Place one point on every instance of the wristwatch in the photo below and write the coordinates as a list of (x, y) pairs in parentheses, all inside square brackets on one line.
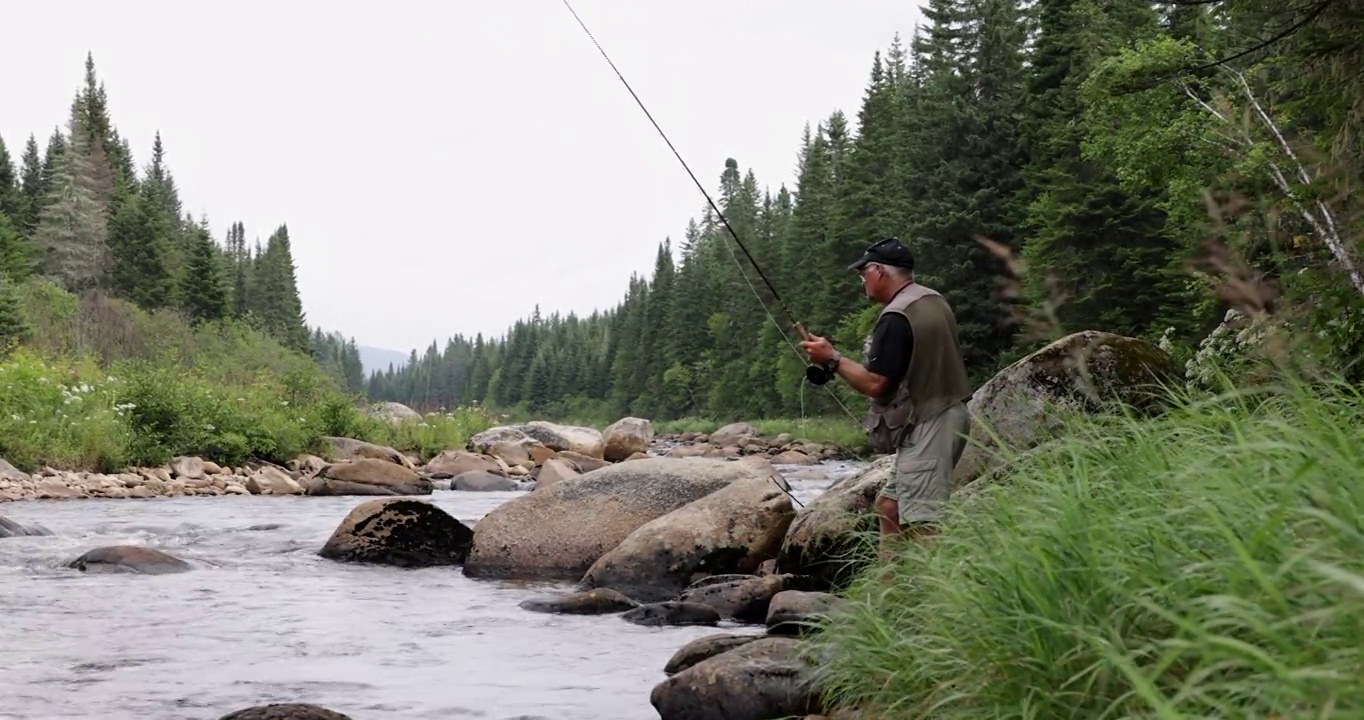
[(831, 364)]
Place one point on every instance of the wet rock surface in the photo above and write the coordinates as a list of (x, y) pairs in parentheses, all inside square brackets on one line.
[(129, 559), (601, 601), (733, 529), (560, 531), (672, 612), (399, 532), (760, 680), (705, 648), (285, 711)]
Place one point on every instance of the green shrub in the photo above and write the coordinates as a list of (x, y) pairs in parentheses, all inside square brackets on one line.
[(104, 385), (1208, 563)]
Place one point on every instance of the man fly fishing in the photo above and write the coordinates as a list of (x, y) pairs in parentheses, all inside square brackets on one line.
[(917, 383)]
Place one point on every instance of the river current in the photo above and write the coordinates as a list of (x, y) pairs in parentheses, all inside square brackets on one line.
[(261, 618)]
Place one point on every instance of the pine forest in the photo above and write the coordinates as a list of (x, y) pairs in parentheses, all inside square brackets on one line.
[(1056, 165)]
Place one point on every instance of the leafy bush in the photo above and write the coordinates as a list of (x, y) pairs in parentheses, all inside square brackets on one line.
[(105, 385)]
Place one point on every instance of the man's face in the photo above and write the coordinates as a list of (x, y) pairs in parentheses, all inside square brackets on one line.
[(871, 277)]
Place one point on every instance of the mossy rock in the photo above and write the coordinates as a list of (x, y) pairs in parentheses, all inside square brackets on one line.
[(1090, 372)]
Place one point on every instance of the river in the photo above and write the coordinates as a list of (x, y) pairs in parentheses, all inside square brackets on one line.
[(263, 619)]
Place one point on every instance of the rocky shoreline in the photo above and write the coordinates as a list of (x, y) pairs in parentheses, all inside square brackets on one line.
[(502, 458)]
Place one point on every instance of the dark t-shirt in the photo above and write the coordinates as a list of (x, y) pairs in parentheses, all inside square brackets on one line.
[(892, 345)]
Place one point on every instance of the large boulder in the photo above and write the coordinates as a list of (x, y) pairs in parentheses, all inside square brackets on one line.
[(1089, 371), (559, 531), (393, 412), (401, 532), (759, 680), (565, 438), (350, 449), (733, 434), (368, 477), (827, 541), (450, 463), (627, 436), (732, 530), (508, 444), (270, 480)]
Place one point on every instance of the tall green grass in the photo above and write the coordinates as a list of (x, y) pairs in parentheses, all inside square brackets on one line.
[(1207, 563)]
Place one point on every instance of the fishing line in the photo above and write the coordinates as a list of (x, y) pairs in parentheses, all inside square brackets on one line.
[(725, 221)]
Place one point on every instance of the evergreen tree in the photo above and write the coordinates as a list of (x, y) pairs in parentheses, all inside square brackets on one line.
[(202, 287), (275, 298), (70, 239), (31, 189), (15, 261), (13, 327), (10, 196)]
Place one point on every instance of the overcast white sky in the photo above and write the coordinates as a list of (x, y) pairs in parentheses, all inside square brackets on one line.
[(444, 166)]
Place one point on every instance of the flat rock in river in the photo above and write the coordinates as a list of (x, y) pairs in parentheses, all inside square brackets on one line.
[(559, 531), (368, 476)]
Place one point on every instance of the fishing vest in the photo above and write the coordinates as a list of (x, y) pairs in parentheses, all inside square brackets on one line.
[(936, 377)]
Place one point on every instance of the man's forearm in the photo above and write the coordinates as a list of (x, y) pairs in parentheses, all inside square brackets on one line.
[(861, 379)]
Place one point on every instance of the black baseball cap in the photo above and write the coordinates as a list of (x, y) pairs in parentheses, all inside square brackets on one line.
[(886, 252)]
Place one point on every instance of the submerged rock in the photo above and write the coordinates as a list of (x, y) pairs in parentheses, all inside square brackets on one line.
[(10, 528), (672, 612), (130, 559), (601, 601), (401, 532), (285, 711)]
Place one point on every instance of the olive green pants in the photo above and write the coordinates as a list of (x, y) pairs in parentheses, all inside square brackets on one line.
[(922, 479)]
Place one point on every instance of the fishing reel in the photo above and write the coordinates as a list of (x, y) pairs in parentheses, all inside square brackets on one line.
[(818, 375)]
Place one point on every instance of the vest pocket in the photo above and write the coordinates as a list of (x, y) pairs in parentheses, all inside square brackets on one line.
[(883, 437)]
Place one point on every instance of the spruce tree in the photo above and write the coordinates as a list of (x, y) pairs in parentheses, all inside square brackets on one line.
[(14, 329), (10, 196), (15, 256), (31, 189), (275, 300), (202, 288), (70, 239)]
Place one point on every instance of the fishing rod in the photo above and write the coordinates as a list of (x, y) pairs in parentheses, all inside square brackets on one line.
[(815, 374)]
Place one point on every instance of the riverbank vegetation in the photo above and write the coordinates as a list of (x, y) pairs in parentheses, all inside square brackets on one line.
[(1203, 564), (128, 335)]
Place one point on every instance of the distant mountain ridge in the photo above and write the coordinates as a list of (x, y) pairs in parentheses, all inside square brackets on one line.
[(375, 359)]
